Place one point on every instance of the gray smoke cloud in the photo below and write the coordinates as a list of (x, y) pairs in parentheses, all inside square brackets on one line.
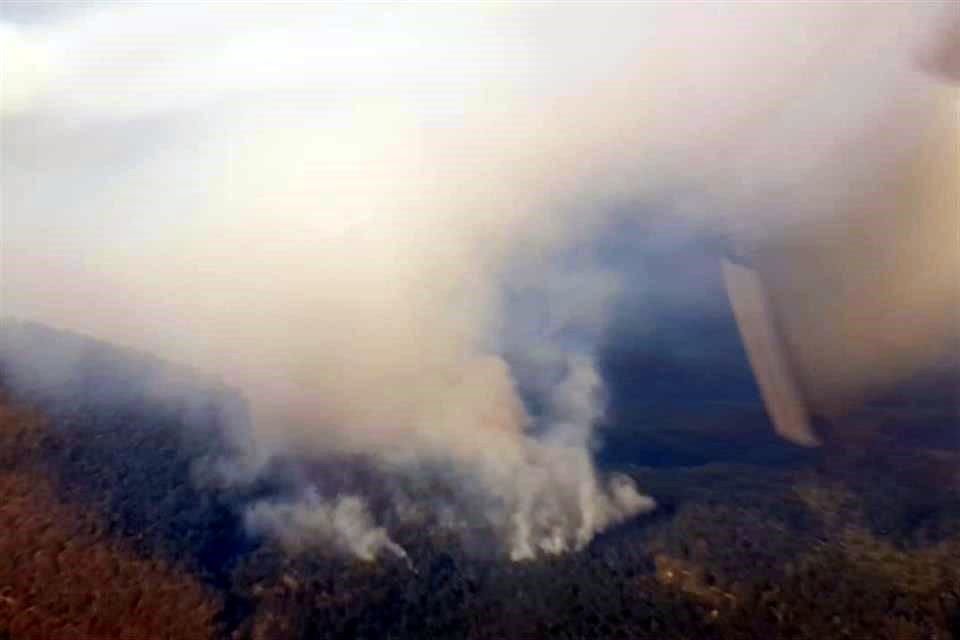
[(337, 207)]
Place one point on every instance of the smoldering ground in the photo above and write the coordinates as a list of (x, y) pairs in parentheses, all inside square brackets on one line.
[(369, 218)]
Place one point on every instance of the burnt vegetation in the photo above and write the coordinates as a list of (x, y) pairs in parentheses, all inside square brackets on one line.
[(106, 532)]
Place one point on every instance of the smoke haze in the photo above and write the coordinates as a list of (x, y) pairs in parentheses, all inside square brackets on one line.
[(370, 218)]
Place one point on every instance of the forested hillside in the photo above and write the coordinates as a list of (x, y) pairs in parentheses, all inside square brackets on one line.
[(107, 532), (65, 574)]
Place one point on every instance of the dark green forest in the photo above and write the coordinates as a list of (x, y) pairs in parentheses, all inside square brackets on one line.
[(105, 532)]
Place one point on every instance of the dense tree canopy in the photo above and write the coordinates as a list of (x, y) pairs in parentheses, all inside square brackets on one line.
[(105, 532)]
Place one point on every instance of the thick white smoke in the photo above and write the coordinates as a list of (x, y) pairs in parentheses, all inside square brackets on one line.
[(345, 524), (328, 204)]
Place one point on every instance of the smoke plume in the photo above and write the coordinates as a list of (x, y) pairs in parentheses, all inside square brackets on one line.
[(346, 524), (371, 219)]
